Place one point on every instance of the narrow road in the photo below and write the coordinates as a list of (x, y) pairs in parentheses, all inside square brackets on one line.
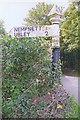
[(70, 83)]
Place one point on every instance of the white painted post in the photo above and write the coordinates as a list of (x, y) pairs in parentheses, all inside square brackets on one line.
[(55, 18)]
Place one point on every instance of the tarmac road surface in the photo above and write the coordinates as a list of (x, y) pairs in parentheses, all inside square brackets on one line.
[(70, 83)]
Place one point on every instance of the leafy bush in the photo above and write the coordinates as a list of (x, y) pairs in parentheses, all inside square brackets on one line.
[(75, 109), (26, 68)]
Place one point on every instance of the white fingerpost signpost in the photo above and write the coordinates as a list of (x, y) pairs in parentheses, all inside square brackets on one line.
[(55, 17), (45, 30)]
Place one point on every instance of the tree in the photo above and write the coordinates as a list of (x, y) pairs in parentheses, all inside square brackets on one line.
[(70, 39), (2, 30), (38, 15)]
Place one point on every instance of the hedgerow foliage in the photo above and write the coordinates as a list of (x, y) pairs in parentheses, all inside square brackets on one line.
[(70, 37), (27, 72)]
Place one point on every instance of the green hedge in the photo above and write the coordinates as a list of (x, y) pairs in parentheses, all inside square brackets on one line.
[(27, 72)]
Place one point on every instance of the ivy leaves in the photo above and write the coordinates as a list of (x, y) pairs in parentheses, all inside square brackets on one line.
[(24, 61)]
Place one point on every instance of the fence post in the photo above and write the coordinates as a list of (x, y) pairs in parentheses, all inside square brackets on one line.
[(55, 18)]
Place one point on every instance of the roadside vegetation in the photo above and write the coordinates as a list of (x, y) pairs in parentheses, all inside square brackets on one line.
[(29, 90)]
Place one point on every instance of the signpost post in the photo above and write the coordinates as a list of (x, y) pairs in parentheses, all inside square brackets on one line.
[(55, 18)]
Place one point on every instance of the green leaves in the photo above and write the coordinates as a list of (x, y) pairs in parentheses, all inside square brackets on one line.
[(24, 61), (69, 26), (38, 15), (70, 38), (2, 30)]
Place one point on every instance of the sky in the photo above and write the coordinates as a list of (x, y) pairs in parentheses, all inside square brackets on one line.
[(13, 12)]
